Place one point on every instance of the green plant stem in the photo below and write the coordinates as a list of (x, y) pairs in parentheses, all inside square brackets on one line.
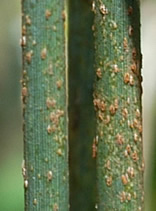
[(44, 93), (117, 101)]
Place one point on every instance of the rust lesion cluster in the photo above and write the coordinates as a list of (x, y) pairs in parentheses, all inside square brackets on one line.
[(132, 153), (54, 116), (128, 78), (100, 107), (125, 196), (114, 107), (103, 9), (50, 102)]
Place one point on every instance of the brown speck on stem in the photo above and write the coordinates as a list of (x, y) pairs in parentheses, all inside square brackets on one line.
[(115, 68), (128, 148), (46, 160), (93, 27), (143, 166), (34, 42), (125, 113), (107, 120), (114, 25), (39, 176), (138, 113), (93, 6), (99, 73), (135, 123), (140, 128), (131, 80), (136, 137), (48, 14), (54, 28), (55, 207), (139, 209), (125, 44), (134, 68), (23, 30), (103, 9), (59, 84), (59, 152), (94, 150), (134, 195), (35, 201), (109, 181), (23, 41), (24, 92), (135, 156), (102, 106), (108, 165), (126, 153), (128, 100), (28, 20), (129, 197), (134, 53), (50, 69), (130, 172), (43, 53), (100, 115), (112, 109), (25, 183), (49, 129), (116, 103), (23, 169), (130, 10), (50, 175), (119, 139), (124, 179), (63, 15), (29, 56), (94, 147), (130, 30)]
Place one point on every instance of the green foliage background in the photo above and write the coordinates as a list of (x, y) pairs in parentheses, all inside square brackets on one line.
[(11, 155)]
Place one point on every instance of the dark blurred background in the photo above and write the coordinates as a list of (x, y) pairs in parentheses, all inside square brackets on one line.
[(11, 146)]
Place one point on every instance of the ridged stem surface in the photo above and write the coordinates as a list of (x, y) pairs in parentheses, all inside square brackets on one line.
[(117, 101), (44, 94)]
